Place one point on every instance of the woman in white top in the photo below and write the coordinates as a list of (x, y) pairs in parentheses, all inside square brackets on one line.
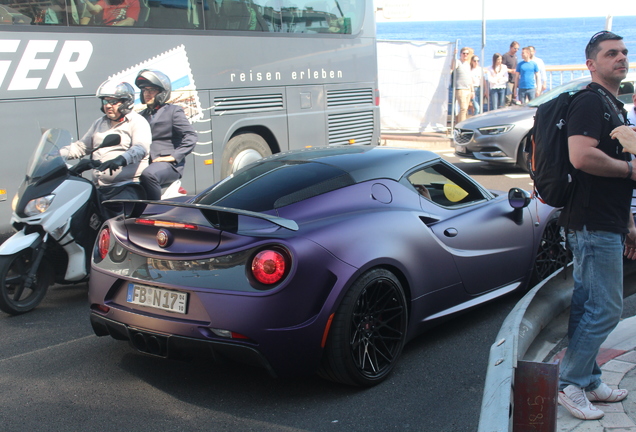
[(497, 76), (476, 73)]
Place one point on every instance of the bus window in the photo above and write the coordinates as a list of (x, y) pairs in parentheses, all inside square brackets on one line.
[(234, 15), (286, 16), (48, 12), (175, 14)]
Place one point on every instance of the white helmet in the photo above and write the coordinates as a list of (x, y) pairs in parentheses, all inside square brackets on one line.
[(120, 90)]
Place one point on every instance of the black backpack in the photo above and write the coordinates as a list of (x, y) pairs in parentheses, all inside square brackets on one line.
[(547, 151)]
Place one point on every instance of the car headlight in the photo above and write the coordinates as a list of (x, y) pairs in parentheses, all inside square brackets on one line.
[(38, 205), (495, 130)]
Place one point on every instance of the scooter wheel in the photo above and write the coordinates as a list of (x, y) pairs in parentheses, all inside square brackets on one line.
[(15, 298)]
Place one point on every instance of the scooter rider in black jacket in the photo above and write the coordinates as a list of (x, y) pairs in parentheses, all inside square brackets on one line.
[(173, 137)]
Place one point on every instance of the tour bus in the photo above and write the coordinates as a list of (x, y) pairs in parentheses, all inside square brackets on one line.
[(255, 77)]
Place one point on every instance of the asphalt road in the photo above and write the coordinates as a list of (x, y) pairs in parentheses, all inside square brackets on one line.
[(55, 375)]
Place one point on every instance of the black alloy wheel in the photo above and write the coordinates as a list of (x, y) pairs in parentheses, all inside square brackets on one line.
[(552, 253), (15, 297), (368, 331)]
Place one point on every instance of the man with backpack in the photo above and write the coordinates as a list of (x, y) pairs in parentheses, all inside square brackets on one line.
[(600, 225)]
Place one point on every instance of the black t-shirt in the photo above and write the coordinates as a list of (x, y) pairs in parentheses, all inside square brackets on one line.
[(511, 63), (599, 203)]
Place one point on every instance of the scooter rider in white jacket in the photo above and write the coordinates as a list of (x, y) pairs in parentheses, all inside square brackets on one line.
[(121, 164)]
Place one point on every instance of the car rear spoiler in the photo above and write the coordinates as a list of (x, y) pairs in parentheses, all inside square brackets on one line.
[(224, 218)]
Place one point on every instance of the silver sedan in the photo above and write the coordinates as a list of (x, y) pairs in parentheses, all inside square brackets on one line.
[(497, 137)]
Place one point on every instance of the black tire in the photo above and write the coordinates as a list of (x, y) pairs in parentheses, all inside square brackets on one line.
[(522, 157), (15, 299), (368, 331), (241, 151), (552, 253)]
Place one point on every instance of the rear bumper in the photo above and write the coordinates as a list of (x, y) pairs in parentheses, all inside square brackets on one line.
[(178, 347)]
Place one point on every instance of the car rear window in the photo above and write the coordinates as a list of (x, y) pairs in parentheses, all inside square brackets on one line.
[(273, 184)]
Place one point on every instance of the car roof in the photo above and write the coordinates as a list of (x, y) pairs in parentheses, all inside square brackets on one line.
[(362, 162)]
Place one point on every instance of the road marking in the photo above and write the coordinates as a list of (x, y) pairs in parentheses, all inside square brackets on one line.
[(517, 176)]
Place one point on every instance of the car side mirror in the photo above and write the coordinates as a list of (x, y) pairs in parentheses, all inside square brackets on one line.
[(518, 198)]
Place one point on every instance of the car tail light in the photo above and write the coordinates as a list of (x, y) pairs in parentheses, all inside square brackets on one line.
[(102, 308), (103, 242), (269, 267), (166, 224), (228, 334)]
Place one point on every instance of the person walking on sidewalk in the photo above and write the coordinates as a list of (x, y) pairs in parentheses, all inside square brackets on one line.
[(600, 226)]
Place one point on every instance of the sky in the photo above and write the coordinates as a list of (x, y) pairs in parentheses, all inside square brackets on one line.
[(459, 10)]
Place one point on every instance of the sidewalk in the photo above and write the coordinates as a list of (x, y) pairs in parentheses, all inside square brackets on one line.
[(426, 141), (617, 359)]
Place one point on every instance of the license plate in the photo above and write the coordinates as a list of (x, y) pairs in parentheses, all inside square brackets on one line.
[(460, 149), (158, 298)]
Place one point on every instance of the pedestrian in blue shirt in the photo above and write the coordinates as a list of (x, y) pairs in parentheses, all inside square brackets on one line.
[(528, 78)]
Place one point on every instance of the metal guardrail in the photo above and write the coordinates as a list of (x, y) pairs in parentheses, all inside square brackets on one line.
[(522, 325), (557, 75)]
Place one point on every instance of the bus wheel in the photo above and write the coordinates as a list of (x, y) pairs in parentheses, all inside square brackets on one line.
[(241, 151)]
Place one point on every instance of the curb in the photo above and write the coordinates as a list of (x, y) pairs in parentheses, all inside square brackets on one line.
[(425, 142), (532, 314)]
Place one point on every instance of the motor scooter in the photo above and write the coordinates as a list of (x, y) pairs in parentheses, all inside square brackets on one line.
[(57, 215)]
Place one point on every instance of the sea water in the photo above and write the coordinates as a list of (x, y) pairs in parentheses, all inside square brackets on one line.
[(558, 41)]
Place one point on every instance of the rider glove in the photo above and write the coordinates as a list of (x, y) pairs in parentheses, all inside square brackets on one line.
[(113, 164)]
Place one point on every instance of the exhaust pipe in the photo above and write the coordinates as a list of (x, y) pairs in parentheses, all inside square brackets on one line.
[(152, 344)]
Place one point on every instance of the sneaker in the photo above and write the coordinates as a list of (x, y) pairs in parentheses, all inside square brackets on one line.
[(605, 394), (574, 400)]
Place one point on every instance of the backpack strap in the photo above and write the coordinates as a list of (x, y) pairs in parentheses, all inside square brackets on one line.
[(619, 115)]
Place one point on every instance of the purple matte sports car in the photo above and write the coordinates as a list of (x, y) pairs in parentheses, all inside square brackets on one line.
[(324, 260)]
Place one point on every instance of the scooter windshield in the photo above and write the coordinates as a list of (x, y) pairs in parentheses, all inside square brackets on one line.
[(46, 160)]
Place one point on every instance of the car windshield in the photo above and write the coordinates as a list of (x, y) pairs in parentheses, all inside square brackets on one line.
[(572, 86), (273, 184)]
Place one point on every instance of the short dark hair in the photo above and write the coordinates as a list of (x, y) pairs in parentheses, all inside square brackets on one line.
[(592, 48), (513, 43)]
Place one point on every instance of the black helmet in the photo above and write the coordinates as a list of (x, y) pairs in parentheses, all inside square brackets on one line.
[(154, 78), (122, 90)]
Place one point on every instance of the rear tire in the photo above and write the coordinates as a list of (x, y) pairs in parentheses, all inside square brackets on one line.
[(241, 151), (15, 299), (368, 331)]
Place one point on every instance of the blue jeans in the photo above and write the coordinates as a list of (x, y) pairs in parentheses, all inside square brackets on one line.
[(497, 98), (529, 93), (597, 304), (475, 101)]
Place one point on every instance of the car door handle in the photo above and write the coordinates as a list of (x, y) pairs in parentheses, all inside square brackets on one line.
[(450, 232)]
